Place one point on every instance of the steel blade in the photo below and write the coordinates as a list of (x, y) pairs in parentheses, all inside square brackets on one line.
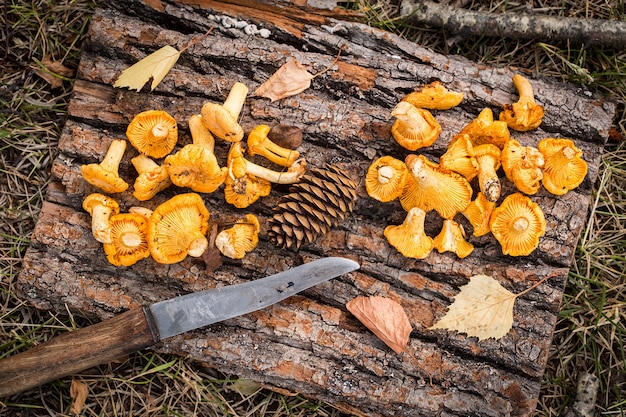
[(195, 310)]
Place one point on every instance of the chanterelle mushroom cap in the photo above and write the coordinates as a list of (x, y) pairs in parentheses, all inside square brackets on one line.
[(460, 158), (414, 128), (260, 144), (101, 209), (222, 119), (435, 96), (478, 212), (517, 224), (409, 238), (523, 166), (153, 132), (525, 114), (105, 175), (564, 168), (177, 228), (129, 239), (452, 239), (488, 158), (431, 188), (152, 178), (245, 190), (238, 166), (195, 167), (484, 129), (240, 239), (385, 178)]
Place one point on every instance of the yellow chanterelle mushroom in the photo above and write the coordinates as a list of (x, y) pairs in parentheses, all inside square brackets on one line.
[(105, 175), (239, 239), (101, 209), (385, 178), (525, 114), (129, 239), (153, 133), (414, 128), (564, 167), (517, 224), (222, 119), (409, 238)]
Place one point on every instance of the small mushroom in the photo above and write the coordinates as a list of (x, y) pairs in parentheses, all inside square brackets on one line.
[(259, 144), (222, 119), (178, 228), (243, 191), (525, 114), (478, 212), (105, 175), (385, 178), (435, 96), (452, 239), (484, 129), (564, 168), (488, 158), (523, 166), (152, 178), (129, 239), (239, 239), (409, 238), (195, 167), (101, 209), (239, 166), (460, 158), (517, 224), (414, 128), (200, 135), (431, 188), (153, 132)]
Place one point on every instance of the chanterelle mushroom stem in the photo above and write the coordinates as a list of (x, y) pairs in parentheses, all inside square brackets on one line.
[(200, 134), (488, 158), (236, 99), (239, 166), (114, 155)]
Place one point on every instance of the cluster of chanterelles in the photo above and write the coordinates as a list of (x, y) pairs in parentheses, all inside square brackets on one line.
[(178, 227), (477, 151)]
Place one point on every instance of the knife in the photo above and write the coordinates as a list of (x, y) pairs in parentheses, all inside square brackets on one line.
[(141, 327)]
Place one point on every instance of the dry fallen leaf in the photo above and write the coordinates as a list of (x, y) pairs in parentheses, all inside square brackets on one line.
[(54, 72), (290, 79), (483, 308), (385, 318), (155, 66), (78, 392)]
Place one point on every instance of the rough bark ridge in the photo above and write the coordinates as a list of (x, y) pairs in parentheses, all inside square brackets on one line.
[(310, 343)]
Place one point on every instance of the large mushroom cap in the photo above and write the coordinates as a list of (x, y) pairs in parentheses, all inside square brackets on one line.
[(129, 239), (177, 228), (385, 178), (517, 224), (153, 132), (564, 167), (431, 188), (195, 167)]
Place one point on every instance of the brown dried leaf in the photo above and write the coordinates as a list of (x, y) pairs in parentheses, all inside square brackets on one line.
[(385, 318), (290, 79), (54, 72), (78, 392), (212, 257)]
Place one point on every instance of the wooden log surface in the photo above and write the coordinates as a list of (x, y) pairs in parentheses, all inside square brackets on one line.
[(310, 344)]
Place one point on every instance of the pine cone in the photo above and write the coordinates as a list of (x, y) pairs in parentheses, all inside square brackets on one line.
[(317, 202)]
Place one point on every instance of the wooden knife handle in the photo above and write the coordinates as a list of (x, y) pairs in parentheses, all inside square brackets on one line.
[(78, 350)]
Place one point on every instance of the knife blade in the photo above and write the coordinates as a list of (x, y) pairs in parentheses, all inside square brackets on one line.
[(142, 327)]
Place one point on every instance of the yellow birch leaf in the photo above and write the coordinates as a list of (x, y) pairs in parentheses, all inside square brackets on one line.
[(483, 308), (155, 66)]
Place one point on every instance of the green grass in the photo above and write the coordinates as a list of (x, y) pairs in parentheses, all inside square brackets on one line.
[(590, 333)]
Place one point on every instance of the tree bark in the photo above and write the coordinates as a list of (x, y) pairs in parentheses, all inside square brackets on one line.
[(463, 22), (310, 344)]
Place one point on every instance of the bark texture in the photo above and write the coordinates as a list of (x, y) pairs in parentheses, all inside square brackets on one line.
[(310, 343), (587, 32)]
